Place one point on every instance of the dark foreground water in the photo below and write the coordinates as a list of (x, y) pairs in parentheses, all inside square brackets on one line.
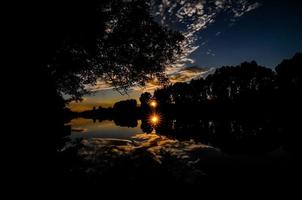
[(103, 152)]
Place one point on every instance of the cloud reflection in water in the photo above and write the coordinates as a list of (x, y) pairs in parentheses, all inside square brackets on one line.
[(182, 159)]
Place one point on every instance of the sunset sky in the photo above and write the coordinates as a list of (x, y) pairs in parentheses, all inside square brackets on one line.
[(218, 33)]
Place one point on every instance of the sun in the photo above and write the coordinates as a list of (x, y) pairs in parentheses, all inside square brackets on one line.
[(153, 103)]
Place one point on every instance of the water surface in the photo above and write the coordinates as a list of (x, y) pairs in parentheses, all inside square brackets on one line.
[(89, 128)]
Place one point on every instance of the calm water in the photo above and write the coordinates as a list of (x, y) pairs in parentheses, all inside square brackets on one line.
[(88, 128), (104, 146), (248, 138)]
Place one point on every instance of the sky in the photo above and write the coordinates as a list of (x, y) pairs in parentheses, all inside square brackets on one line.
[(218, 33)]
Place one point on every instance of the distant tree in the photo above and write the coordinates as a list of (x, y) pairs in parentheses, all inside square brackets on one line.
[(128, 107), (289, 82), (229, 83), (289, 73), (163, 95), (290, 76), (181, 93), (248, 87), (199, 89), (144, 99)]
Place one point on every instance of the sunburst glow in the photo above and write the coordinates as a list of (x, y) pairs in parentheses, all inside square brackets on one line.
[(154, 119), (153, 104)]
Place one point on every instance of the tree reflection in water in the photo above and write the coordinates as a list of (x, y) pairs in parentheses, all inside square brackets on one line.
[(245, 136)]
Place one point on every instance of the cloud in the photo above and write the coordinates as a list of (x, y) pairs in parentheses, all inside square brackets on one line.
[(187, 74), (193, 16), (181, 74), (253, 6), (79, 130), (220, 3), (210, 53), (149, 87), (177, 73), (244, 8), (100, 85), (156, 147)]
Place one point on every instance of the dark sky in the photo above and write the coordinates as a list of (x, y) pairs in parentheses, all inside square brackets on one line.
[(268, 34)]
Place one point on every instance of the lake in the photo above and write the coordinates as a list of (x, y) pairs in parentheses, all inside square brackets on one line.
[(103, 146), (125, 153), (89, 128), (229, 136)]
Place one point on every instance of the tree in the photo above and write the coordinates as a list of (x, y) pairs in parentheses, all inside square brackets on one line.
[(144, 99), (125, 107), (289, 76), (243, 89), (130, 49), (163, 95), (181, 93)]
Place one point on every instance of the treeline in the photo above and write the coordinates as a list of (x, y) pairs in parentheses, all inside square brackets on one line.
[(247, 90), (125, 109), (247, 108)]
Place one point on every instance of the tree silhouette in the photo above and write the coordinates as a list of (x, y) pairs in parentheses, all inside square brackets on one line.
[(289, 76), (130, 49), (163, 95), (289, 99), (232, 90), (144, 99), (126, 106), (181, 93)]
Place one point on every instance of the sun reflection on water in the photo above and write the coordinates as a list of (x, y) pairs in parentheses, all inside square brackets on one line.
[(154, 119)]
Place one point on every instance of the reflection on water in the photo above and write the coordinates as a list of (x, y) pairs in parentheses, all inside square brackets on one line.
[(228, 135), (180, 151), (158, 147), (88, 128), (157, 157), (106, 146)]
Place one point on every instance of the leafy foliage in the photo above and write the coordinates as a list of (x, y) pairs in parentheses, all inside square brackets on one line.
[(130, 48)]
